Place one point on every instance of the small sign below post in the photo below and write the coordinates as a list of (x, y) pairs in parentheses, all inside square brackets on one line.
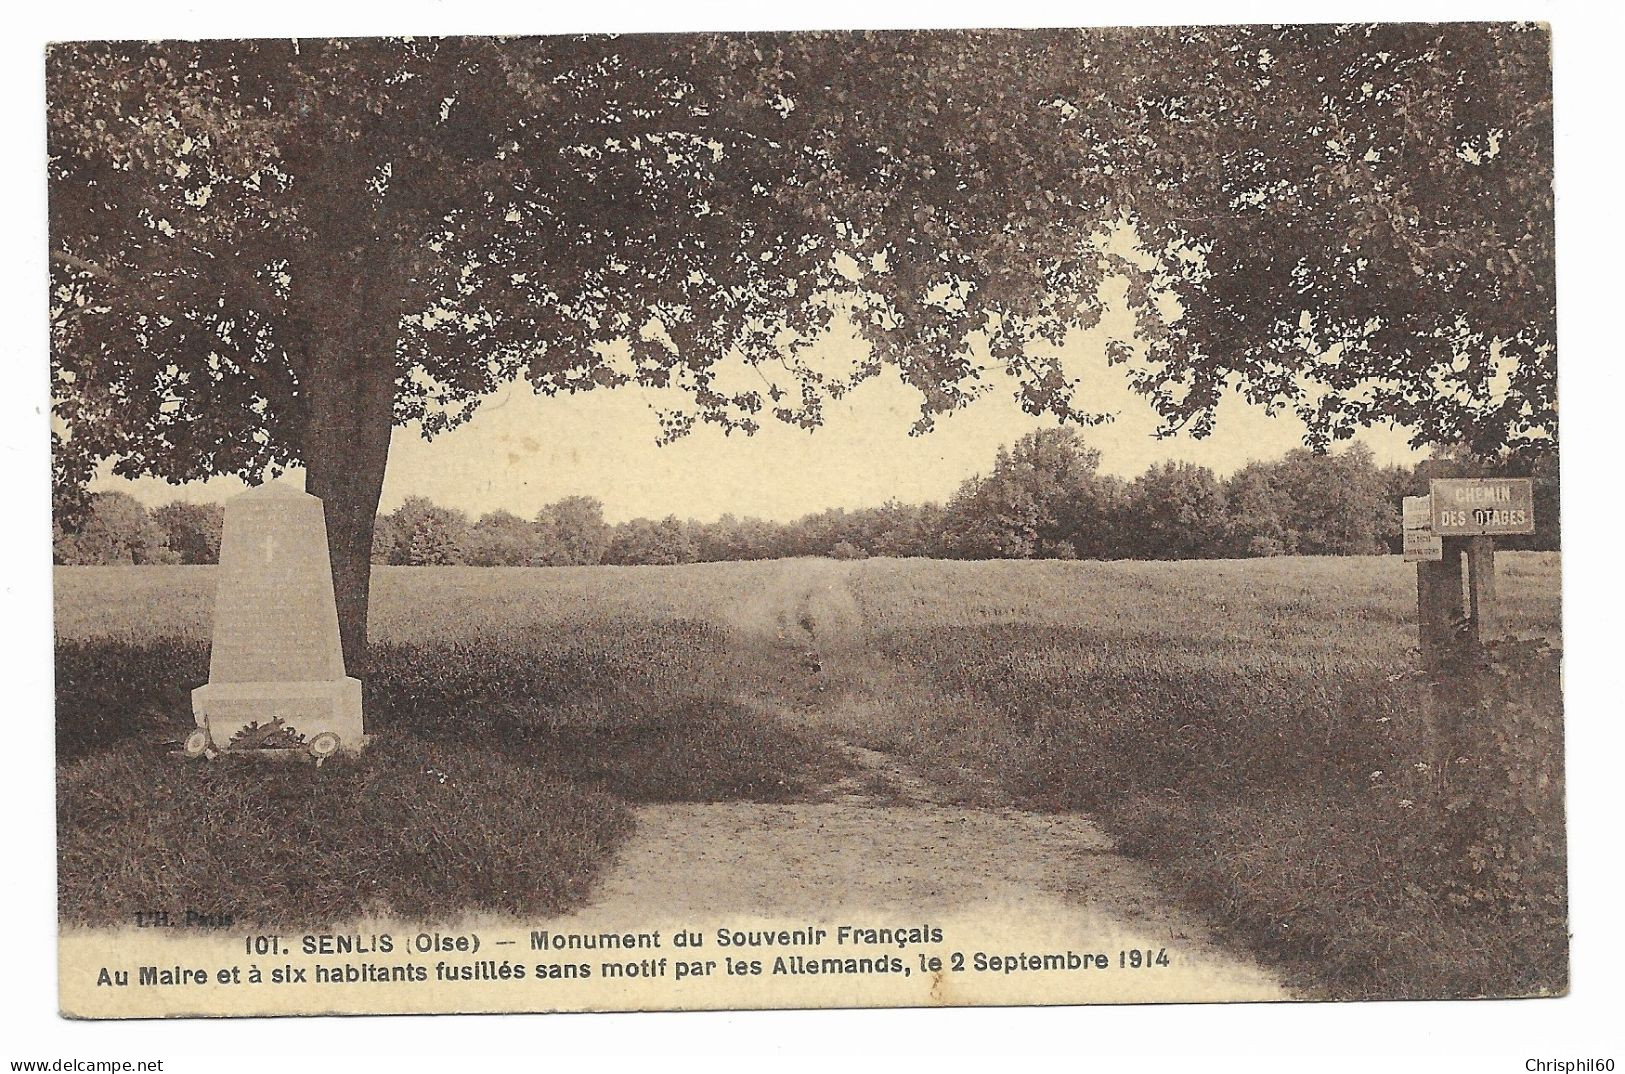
[(1422, 546)]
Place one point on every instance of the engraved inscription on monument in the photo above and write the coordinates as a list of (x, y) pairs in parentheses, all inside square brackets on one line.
[(276, 669)]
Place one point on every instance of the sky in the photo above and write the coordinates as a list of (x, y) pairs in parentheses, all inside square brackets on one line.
[(521, 450)]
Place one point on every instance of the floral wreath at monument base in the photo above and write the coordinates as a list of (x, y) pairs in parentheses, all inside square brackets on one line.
[(278, 737)]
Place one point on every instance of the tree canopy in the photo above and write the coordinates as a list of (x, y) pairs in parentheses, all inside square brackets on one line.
[(269, 253)]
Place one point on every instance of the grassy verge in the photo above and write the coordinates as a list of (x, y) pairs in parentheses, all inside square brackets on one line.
[(427, 831), (1354, 900), (1287, 788), (1305, 830)]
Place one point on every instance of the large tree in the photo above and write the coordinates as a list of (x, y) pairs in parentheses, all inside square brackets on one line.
[(1175, 510), (268, 254), (571, 531), (191, 530), (1043, 498)]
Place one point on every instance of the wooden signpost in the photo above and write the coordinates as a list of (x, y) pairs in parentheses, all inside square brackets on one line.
[(1460, 518)]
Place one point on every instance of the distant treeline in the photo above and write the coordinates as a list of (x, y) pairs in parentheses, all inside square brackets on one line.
[(1044, 498)]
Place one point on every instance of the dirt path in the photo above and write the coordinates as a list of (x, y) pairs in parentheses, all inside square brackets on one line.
[(884, 840)]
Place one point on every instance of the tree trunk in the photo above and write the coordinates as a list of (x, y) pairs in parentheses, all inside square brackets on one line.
[(348, 423)]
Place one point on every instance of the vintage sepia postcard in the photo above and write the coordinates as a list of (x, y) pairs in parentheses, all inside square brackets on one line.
[(805, 519)]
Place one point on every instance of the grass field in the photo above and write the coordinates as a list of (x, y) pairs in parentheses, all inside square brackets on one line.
[(1252, 728)]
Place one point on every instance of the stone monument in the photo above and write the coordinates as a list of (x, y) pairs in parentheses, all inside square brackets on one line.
[(276, 669)]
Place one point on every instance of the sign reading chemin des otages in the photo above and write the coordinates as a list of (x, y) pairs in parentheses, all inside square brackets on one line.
[(1483, 506)]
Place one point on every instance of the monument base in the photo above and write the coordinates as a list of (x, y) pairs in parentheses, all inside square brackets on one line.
[(321, 718)]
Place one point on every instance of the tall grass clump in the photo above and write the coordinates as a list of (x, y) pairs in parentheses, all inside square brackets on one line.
[(113, 692)]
